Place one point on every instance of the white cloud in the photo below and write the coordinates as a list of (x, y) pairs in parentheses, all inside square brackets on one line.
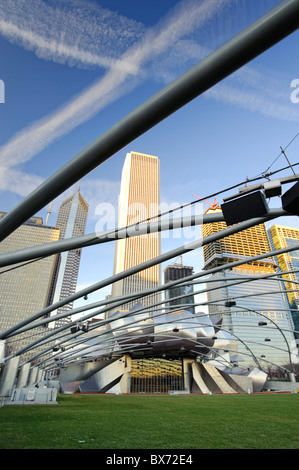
[(18, 181), (271, 99), (33, 139), (260, 90), (95, 191), (51, 31), (186, 16), (77, 33), (52, 50)]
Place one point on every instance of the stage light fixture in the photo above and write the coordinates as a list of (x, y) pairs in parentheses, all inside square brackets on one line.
[(230, 303), (245, 208), (272, 188), (290, 199), (75, 329)]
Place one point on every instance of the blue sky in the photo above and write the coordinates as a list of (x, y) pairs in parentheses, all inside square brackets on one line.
[(72, 69)]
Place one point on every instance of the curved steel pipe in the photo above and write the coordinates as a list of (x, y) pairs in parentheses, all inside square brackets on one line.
[(159, 259)]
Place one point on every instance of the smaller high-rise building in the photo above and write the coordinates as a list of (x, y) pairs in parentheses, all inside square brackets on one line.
[(287, 237), (250, 242), (26, 288), (249, 297), (175, 272)]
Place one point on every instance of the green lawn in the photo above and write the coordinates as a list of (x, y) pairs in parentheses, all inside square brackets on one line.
[(268, 421)]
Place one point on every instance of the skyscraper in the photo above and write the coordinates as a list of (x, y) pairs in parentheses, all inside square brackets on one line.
[(139, 200), (286, 237), (260, 318), (250, 242), (28, 288), (71, 221), (175, 272)]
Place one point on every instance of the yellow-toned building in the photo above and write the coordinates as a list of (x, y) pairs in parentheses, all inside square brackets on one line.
[(139, 200), (256, 291), (286, 237), (250, 242)]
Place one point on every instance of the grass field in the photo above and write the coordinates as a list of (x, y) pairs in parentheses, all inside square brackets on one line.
[(268, 421)]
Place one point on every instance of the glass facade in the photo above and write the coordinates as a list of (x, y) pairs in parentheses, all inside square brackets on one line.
[(288, 237), (257, 301), (156, 376), (173, 273), (260, 319)]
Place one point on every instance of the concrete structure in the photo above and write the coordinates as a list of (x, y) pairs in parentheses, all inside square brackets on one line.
[(41, 393), (23, 375), (8, 376)]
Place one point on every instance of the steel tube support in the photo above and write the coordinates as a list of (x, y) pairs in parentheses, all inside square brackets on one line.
[(103, 322), (271, 28), (66, 244), (147, 264), (186, 248)]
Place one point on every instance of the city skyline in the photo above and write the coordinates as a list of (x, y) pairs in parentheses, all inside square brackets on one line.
[(60, 94), (154, 111)]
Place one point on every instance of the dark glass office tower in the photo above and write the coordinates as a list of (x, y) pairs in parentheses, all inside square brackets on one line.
[(175, 272)]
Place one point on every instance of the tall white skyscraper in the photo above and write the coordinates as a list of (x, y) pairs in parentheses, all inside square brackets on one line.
[(71, 220), (139, 199)]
